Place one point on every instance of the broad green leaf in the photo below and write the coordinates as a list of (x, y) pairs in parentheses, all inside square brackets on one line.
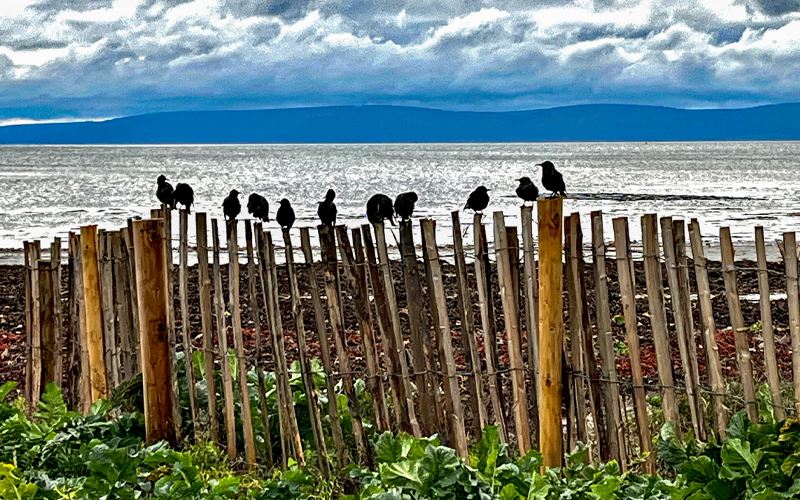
[(388, 448), (765, 409), (6, 388), (509, 492), (738, 460), (699, 469), (606, 489), (669, 448), (738, 425), (487, 450), (790, 463), (540, 487)]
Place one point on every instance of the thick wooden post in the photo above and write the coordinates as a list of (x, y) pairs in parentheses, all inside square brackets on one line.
[(471, 356), (325, 350), (605, 340), (333, 292), (714, 367), (658, 318), (186, 330), (737, 324), (206, 321), (111, 349), (628, 292), (420, 333), (445, 341), (47, 322), (691, 377), (770, 360), (255, 309), (222, 335), (152, 311), (394, 315), (790, 259), (551, 331), (510, 298), (94, 316), (305, 362), (361, 300), (238, 342)]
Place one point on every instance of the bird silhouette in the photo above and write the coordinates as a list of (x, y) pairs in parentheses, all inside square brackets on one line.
[(527, 190), (231, 206), (327, 209), (183, 194), (379, 208), (285, 215), (478, 200), (552, 180), (404, 205), (164, 192), (258, 206)]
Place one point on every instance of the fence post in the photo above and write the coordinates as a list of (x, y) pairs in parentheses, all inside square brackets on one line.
[(770, 360), (123, 306), (531, 291), (222, 336), (55, 259), (444, 339), (658, 318), (186, 330), (325, 350), (152, 311), (709, 329), (206, 322), (628, 292), (47, 322), (551, 330), (576, 376), (790, 257), (94, 317), (72, 343), (605, 340), (107, 303)]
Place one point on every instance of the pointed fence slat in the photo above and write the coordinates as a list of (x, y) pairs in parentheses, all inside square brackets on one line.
[(206, 322), (770, 359)]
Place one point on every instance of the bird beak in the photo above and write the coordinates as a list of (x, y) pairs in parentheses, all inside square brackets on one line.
[(538, 165), (488, 189)]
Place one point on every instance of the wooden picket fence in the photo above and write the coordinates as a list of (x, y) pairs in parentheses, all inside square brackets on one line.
[(116, 318)]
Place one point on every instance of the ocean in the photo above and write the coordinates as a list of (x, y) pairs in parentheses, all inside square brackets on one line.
[(48, 191)]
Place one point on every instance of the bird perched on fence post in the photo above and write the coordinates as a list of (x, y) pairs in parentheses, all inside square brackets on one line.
[(379, 208), (258, 206), (404, 205), (285, 215), (527, 190), (478, 200), (164, 192), (183, 194), (231, 206), (552, 180), (327, 209)]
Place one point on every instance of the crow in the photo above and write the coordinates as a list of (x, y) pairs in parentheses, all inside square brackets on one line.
[(404, 205), (183, 194), (478, 200), (327, 209), (258, 206), (379, 208), (285, 215), (164, 192), (527, 190), (231, 206), (552, 180)]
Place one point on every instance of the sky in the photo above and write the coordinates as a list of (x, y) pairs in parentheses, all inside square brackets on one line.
[(95, 59)]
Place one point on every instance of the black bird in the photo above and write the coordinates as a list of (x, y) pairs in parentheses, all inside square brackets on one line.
[(404, 205), (379, 207), (527, 190), (478, 200), (258, 206), (183, 194), (327, 209), (164, 193), (231, 206), (552, 180), (285, 215)]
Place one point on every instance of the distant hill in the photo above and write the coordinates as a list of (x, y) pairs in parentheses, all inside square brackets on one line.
[(371, 124)]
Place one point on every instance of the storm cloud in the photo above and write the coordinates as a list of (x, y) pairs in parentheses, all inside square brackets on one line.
[(103, 58)]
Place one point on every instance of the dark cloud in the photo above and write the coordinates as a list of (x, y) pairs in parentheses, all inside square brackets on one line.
[(287, 9), (77, 5), (776, 7)]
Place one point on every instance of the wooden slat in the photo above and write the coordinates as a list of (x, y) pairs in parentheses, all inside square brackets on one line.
[(94, 317), (531, 301), (166, 214), (123, 306), (58, 314), (790, 259), (222, 336), (577, 375), (333, 293), (770, 358), (615, 437), (743, 360), (82, 335), (325, 350), (186, 330), (72, 342), (658, 318), (127, 238), (628, 292), (445, 341), (206, 322), (471, 356), (47, 349), (714, 368), (678, 312), (110, 350), (488, 326)]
